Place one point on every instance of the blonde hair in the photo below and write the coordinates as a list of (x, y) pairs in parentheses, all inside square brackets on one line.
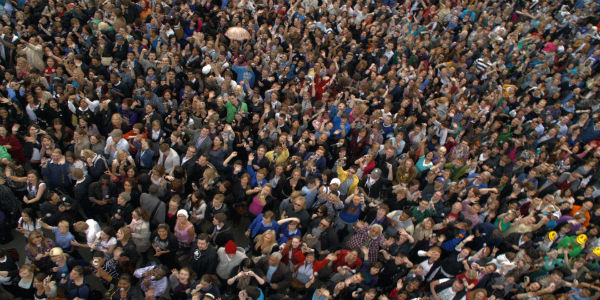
[(259, 240)]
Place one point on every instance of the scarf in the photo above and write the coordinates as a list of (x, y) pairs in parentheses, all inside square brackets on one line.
[(135, 224)]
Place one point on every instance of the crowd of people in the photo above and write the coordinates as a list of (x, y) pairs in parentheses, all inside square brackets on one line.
[(383, 149)]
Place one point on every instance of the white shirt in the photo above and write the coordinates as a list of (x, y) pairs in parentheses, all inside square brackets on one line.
[(92, 231)]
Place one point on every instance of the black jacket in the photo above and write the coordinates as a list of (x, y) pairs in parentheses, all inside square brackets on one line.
[(204, 262)]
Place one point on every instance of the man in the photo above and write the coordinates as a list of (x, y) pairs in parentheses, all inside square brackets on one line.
[(101, 195), (230, 257), (168, 158), (203, 142), (80, 190), (373, 185), (447, 289), (114, 143), (97, 165), (276, 275), (105, 269), (221, 232), (204, 256), (152, 204), (325, 237), (153, 281)]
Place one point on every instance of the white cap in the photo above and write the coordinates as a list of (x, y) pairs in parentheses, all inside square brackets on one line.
[(335, 181), (183, 212)]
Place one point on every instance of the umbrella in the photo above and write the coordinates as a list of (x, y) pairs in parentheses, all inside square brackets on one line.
[(237, 33)]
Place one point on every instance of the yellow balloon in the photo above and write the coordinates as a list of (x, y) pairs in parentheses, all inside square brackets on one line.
[(597, 251), (552, 235), (581, 239)]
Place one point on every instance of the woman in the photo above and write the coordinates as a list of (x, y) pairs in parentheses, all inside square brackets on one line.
[(157, 176), (180, 281), (12, 144), (62, 134), (219, 150), (289, 252), (165, 246), (184, 231), (45, 287), (425, 162), (119, 165), (172, 210), (197, 207), (292, 184), (34, 185), (140, 229), (424, 230), (208, 184), (365, 165), (406, 172), (264, 245), (130, 187), (32, 145), (260, 201), (105, 241), (97, 143), (24, 288), (27, 223), (37, 251), (75, 286), (129, 256), (74, 163)]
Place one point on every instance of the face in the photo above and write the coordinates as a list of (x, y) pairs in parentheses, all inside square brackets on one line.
[(202, 245), (162, 233)]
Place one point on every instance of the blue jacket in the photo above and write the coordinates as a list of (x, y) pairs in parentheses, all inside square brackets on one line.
[(57, 175), (257, 227), (144, 161)]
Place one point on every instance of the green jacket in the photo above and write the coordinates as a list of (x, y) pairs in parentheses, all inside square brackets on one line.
[(232, 110)]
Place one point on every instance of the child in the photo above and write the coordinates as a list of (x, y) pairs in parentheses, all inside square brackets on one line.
[(288, 230), (62, 236)]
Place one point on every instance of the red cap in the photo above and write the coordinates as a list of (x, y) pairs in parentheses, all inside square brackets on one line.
[(230, 247)]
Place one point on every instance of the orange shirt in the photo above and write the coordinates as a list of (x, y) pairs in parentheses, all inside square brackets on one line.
[(576, 209)]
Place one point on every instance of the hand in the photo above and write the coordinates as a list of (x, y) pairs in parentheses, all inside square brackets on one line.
[(274, 286)]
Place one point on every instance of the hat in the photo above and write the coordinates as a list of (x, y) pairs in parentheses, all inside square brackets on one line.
[(335, 181), (206, 69), (56, 251), (183, 212), (440, 179), (230, 247), (119, 37)]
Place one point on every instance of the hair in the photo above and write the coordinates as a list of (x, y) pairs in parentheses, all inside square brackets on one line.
[(126, 231), (142, 213), (269, 215), (220, 217), (80, 226), (259, 241), (204, 237)]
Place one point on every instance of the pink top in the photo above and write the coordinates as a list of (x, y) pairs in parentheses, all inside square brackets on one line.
[(183, 236), (255, 207)]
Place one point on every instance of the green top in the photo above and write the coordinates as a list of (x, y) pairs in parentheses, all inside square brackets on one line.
[(232, 109)]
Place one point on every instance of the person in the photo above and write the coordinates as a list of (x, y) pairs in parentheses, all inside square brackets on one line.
[(28, 223), (45, 287), (153, 280), (164, 245), (125, 291), (9, 271), (62, 236), (230, 257), (204, 257), (180, 281), (276, 275), (105, 268), (75, 286), (140, 229)]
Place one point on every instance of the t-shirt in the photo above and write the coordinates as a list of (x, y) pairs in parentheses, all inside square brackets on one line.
[(270, 272), (63, 240), (92, 231)]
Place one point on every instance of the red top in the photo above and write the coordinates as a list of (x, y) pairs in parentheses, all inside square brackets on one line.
[(341, 261)]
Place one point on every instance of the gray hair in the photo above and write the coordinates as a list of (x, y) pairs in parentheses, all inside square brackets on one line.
[(276, 255)]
